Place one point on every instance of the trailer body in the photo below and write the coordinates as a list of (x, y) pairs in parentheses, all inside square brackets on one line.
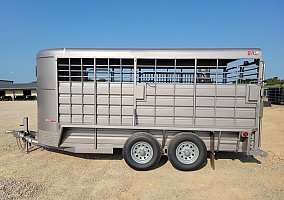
[(93, 100)]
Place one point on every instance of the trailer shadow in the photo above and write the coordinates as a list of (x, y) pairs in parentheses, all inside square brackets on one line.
[(164, 159), (34, 148), (117, 154), (236, 156)]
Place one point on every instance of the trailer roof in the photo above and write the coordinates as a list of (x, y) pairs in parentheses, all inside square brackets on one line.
[(180, 53)]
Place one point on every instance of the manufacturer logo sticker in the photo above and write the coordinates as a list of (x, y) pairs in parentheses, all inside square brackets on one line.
[(253, 53)]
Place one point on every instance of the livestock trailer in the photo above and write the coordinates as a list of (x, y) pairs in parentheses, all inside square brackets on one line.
[(181, 103)]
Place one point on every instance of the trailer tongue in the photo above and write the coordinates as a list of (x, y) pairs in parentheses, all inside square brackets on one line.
[(25, 138)]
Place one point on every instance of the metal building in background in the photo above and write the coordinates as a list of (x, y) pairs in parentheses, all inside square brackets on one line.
[(150, 102), (17, 91)]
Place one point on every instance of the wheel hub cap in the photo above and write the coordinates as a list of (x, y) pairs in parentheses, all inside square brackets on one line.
[(187, 152), (141, 152)]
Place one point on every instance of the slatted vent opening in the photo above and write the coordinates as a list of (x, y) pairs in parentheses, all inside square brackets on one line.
[(221, 71)]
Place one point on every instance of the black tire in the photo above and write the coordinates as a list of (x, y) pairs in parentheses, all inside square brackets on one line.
[(187, 152), (134, 157)]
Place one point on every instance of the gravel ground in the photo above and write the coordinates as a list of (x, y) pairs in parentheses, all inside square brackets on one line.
[(49, 174), (13, 189)]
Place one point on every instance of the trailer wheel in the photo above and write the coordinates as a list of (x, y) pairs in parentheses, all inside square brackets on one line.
[(187, 152), (142, 151)]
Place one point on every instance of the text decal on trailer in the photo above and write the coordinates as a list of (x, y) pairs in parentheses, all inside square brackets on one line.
[(253, 53), (51, 120)]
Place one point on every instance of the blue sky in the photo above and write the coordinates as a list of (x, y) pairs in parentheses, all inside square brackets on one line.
[(27, 27)]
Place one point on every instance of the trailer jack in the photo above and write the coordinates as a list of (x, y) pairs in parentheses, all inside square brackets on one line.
[(24, 138)]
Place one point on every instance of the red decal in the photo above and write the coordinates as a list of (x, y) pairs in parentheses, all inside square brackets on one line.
[(50, 120)]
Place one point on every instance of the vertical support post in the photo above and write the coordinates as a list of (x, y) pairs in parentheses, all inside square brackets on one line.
[(194, 93), (212, 151), (134, 91), (27, 147), (174, 103), (225, 75), (238, 142), (236, 88), (120, 91), (248, 143), (108, 101), (261, 78), (82, 91), (70, 90), (219, 141), (155, 81), (164, 139), (215, 94), (95, 92), (95, 138), (26, 130)]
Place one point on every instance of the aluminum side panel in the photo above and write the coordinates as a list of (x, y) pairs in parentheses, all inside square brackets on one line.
[(47, 110), (46, 73)]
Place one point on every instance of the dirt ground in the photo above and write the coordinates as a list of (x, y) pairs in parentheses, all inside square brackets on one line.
[(46, 174)]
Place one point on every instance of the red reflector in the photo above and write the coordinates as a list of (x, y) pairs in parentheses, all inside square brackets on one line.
[(50, 120), (245, 134)]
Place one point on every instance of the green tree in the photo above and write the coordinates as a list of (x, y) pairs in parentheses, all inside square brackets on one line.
[(273, 81)]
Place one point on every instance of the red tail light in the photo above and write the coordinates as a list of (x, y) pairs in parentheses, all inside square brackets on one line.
[(245, 134)]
